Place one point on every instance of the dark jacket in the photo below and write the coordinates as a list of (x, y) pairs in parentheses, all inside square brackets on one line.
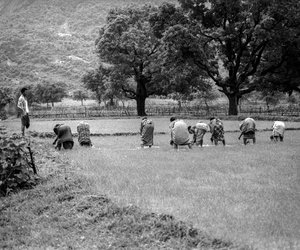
[(63, 133)]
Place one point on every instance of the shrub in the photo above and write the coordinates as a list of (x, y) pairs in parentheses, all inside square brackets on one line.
[(16, 165)]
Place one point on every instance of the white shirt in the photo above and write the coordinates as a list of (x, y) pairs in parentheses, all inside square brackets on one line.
[(279, 127), (23, 104)]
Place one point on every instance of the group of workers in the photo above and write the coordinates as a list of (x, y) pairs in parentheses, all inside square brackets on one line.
[(179, 131), (64, 137)]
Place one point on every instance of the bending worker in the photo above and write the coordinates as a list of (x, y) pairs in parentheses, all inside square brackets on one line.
[(64, 136), (198, 132), (179, 133), (247, 128), (278, 131), (146, 132)]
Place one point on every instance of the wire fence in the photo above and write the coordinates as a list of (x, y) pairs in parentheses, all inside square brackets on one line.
[(197, 111)]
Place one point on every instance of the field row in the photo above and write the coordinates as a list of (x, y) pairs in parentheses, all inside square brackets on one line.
[(111, 126)]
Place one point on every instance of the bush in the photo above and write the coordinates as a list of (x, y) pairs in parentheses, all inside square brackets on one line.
[(16, 166), (3, 115)]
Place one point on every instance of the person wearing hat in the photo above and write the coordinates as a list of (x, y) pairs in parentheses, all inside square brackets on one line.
[(146, 132), (23, 106), (64, 136)]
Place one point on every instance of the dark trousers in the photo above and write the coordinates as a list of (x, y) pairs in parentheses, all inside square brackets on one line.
[(66, 145)]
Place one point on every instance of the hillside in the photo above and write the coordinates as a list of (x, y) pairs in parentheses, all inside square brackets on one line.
[(51, 40)]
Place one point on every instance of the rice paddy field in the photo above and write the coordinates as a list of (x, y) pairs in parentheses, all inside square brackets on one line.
[(245, 194), (111, 126)]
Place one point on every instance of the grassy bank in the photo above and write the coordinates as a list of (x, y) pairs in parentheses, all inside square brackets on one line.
[(65, 212)]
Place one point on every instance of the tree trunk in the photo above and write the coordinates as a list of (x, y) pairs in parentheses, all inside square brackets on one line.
[(81, 102), (233, 104), (140, 104), (141, 95), (207, 107), (111, 101), (179, 105)]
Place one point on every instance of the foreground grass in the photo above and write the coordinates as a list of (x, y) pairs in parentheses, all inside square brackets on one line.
[(65, 212), (241, 194), (246, 195)]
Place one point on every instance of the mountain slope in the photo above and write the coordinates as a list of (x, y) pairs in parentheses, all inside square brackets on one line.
[(51, 40)]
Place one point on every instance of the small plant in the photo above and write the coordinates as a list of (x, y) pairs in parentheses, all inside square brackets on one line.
[(16, 165)]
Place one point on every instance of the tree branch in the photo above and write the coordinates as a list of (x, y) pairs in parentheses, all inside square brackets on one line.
[(247, 91), (129, 93)]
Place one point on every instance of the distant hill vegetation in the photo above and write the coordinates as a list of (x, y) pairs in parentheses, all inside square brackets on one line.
[(51, 40)]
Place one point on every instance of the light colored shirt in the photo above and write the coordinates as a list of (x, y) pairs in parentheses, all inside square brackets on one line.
[(279, 127), (247, 125), (202, 125), (23, 104), (180, 133)]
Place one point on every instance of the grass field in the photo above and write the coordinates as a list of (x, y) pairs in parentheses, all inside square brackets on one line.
[(245, 194)]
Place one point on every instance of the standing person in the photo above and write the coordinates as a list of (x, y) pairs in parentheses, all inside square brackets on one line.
[(23, 106), (247, 128), (179, 133), (217, 131), (278, 131), (64, 136), (198, 132), (146, 132), (83, 129)]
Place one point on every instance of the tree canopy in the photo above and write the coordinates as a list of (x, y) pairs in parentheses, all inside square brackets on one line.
[(80, 95), (239, 45), (95, 81), (128, 43), (50, 93)]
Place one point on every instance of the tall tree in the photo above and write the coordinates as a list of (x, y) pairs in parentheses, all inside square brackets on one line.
[(233, 42), (285, 78), (128, 43), (184, 81), (50, 93), (113, 87), (80, 95), (95, 81)]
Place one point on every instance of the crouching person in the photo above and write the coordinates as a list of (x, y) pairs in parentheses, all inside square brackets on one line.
[(83, 129), (247, 128), (198, 132), (64, 137), (278, 131), (146, 132), (179, 133)]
